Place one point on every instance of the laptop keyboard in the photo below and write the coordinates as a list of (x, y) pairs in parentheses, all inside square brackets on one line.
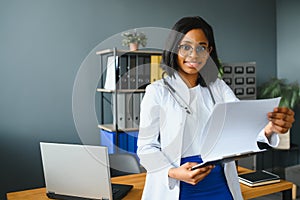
[(120, 190), (115, 190)]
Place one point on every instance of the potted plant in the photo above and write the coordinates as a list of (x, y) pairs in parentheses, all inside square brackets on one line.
[(134, 39), (290, 97)]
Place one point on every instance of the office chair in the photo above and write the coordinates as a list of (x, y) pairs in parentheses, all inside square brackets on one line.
[(292, 173), (123, 164)]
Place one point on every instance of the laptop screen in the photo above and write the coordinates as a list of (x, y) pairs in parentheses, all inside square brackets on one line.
[(76, 170)]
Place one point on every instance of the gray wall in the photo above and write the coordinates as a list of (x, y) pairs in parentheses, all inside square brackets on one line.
[(44, 42), (288, 53), (288, 40)]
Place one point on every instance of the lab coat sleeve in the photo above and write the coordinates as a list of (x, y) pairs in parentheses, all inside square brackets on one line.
[(149, 146), (273, 141)]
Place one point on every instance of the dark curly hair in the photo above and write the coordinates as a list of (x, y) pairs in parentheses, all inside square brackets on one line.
[(181, 27)]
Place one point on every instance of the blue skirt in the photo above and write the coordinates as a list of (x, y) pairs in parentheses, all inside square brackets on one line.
[(212, 187)]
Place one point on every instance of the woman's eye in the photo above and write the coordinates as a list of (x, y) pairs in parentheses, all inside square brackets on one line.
[(201, 48), (186, 47)]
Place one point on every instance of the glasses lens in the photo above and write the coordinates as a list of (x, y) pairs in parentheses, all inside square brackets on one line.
[(186, 50), (200, 49)]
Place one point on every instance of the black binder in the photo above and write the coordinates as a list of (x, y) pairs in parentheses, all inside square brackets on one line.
[(258, 178)]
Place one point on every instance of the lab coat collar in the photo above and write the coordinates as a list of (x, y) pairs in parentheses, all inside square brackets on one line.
[(180, 87)]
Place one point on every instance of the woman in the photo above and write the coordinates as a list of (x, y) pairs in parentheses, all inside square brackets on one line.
[(172, 123)]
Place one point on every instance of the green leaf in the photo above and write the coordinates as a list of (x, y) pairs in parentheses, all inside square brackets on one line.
[(290, 92)]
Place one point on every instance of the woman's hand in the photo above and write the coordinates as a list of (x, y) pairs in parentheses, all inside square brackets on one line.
[(184, 173), (281, 120)]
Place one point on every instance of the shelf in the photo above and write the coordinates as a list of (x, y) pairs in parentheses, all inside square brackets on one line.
[(112, 128), (121, 90), (121, 52), (124, 93)]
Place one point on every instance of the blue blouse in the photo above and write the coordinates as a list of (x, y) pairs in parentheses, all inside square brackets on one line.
[(212, 187)]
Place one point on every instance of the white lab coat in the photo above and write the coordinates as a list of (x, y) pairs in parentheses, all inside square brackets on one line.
[(162, 122)]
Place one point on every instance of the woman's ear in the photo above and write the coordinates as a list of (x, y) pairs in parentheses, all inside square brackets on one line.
[(210, 49)]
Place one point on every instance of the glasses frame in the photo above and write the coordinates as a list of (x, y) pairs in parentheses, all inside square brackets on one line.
[(202, 53)]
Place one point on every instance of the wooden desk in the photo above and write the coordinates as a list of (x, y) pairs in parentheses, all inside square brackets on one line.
[(252, 192), (138, 181)]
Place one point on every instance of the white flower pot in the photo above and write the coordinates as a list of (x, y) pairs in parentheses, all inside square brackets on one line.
[(133, 46)]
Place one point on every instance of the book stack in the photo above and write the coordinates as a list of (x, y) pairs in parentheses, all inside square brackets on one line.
[(130, 74), (258, 178), (132, 71)]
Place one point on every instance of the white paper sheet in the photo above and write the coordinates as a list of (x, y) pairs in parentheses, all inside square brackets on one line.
[(233, 127), (110, 81)]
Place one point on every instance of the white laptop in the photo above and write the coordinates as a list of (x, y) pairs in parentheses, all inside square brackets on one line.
[(78, 172)]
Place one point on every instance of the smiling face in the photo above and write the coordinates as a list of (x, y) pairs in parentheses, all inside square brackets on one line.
[(193, 53)]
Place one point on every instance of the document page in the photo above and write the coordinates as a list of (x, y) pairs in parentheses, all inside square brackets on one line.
[(233, 128), (110, 81)]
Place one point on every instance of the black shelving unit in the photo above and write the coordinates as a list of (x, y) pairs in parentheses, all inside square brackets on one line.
[(128, 81)]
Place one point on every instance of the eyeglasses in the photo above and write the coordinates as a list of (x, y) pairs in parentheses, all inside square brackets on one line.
[(186, 50)]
